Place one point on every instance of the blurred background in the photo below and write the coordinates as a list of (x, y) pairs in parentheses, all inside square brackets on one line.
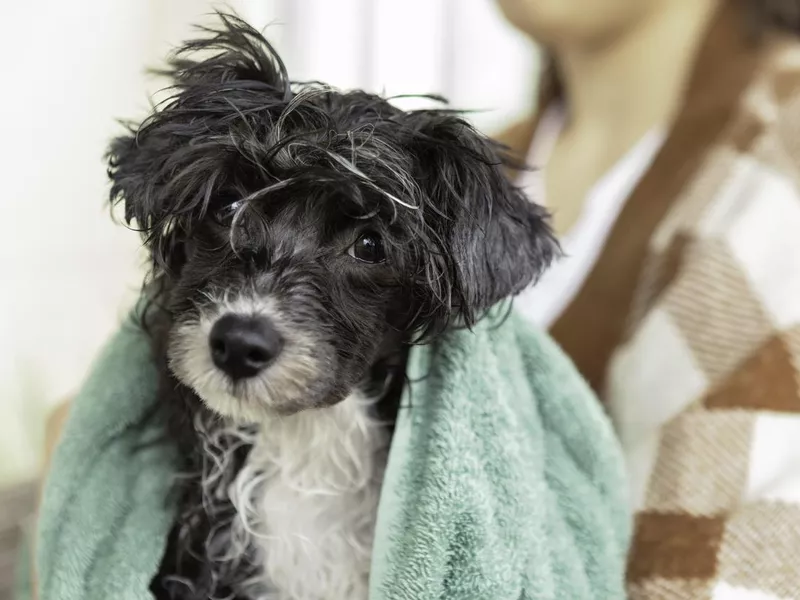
[(69, 272)]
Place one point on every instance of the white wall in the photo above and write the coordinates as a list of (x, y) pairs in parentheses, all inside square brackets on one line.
[(76, 65), (71, 67)]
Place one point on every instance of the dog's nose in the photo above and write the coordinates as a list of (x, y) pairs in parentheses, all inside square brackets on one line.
[(243, 346)]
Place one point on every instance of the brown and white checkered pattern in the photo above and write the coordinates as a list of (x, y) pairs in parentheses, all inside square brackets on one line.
[(705, 392)]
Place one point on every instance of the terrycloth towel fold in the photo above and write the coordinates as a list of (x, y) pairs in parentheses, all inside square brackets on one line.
[(504, 480)]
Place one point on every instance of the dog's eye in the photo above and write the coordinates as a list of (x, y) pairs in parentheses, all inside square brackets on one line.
[(368, 248), (224, 215)]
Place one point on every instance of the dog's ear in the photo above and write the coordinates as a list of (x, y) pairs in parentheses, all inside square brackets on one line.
[(493, 240), (167, 170)]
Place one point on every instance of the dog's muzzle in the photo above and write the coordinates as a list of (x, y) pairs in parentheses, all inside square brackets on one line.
[(243, 346)]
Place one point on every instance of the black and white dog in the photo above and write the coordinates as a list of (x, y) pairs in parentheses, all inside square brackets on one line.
[(302, 238)]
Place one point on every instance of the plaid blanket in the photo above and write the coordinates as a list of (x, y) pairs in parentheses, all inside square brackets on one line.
[(689, 325)]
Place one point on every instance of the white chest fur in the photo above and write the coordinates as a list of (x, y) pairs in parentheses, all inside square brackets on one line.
[(308, 497)]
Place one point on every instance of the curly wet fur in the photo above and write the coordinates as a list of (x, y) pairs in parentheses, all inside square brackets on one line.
[(250, 192), (300, 471)]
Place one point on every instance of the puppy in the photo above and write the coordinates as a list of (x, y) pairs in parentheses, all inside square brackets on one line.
[(302, 238)]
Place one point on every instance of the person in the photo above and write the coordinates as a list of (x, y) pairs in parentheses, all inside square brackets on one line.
[(666, 142)]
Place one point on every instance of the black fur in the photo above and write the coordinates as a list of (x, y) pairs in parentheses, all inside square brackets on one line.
[(242, 182)]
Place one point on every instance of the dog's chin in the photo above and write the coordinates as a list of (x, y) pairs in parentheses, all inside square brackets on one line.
[(257, 400), (247, 411), (236, 409)]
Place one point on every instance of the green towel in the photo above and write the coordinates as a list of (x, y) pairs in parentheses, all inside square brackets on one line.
[(504, 480)]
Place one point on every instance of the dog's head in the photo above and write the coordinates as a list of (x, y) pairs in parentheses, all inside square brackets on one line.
[(296, 230)]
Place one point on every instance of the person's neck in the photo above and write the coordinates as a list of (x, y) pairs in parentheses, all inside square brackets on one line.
[(633, 83)]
